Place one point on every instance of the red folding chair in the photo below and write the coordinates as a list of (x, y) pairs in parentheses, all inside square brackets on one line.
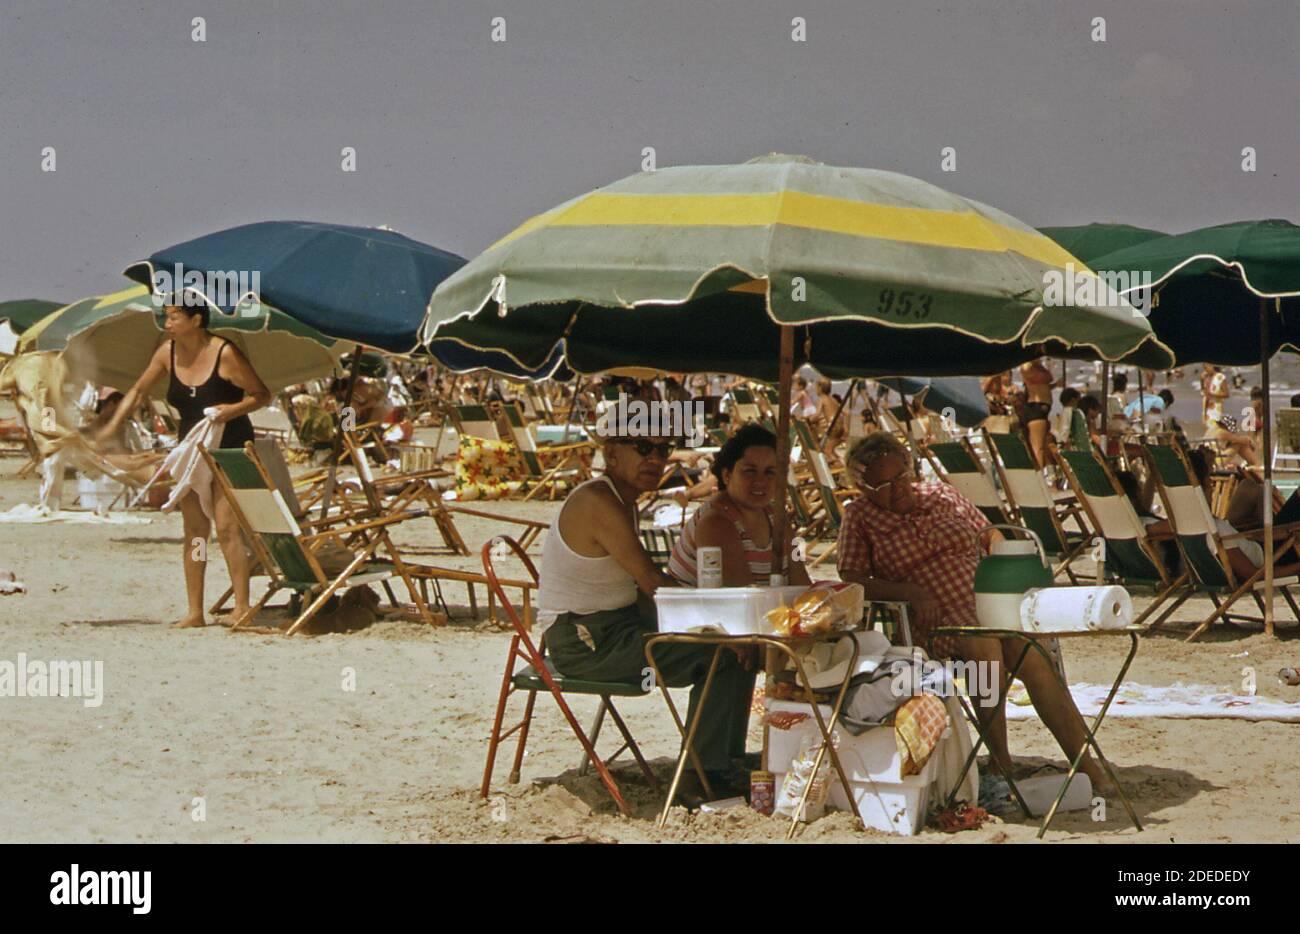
[(537, 674)]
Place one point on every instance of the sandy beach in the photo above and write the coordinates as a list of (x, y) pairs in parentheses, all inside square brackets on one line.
[(263, 730)]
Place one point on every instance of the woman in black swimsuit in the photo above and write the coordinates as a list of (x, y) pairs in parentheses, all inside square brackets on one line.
[(203, 373)]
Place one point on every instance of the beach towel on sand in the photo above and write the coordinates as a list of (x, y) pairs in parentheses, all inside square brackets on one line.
[(1175, 701)]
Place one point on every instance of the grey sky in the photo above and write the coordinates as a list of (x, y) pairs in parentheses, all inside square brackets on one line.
[(160, 139)]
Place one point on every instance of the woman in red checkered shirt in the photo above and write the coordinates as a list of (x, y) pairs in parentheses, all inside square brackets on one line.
[(921, 542)]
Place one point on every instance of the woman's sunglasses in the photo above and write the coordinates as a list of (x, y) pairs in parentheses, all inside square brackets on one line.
[(902, 479)]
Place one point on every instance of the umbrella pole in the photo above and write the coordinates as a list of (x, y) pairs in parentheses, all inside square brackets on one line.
[(781, 534), (338, 435), (1268, 465), (1105, 404)]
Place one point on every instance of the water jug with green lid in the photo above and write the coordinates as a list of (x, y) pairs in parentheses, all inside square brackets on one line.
[(1011, 568)]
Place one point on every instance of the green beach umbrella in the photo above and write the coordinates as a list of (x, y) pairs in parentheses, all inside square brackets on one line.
[(109, 340), (24, 312), (1207, 286), (1227, 294), (757, 268), (1088, 241), (696, 268), (17, 316)]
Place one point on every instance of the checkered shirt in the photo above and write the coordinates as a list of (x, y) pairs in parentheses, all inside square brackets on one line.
[(935, 546)]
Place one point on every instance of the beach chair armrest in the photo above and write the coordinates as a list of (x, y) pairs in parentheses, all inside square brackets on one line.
[(378, 522), (1290, 528), (482, 514)]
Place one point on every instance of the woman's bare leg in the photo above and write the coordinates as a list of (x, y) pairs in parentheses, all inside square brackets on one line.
[(1056, 709), (194, 554), (1038, 441), (993, 717), (232, 546)]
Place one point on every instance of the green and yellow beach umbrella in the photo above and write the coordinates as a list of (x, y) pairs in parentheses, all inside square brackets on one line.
[(697, 268), (109, 339), (757, 268)]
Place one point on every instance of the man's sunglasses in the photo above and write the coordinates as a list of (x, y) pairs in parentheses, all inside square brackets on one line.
[(644, 447)]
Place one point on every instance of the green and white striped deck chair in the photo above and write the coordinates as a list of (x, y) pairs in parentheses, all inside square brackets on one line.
[(743, 407), (540, 477), (659, 544), (824, 482), (830, 503), (1286, 445), (292, 558), (1204, 550), (1131, 555), (475, 421), (957, 464), (1032, 502)]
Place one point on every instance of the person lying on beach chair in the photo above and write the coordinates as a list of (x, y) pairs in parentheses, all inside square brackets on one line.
[(920, 542), (1245, 555), (593, 611)]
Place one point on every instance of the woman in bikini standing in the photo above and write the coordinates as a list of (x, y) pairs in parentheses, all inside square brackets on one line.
[(204, 372), (1038, 405)]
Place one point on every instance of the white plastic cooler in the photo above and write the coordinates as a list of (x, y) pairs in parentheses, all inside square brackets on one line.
[(739, 611)]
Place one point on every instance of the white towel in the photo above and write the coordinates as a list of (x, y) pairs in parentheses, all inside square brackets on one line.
[(187, 467), (952, 753)]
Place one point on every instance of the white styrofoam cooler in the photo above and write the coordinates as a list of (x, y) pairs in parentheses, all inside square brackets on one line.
[(871, 763), (97, 494), (736, 610)]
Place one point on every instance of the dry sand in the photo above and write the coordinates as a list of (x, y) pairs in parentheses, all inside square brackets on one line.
[(261, 729)]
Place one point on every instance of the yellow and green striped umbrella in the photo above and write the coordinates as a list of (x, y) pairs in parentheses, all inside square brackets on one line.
[(109, 340), (694, 268)]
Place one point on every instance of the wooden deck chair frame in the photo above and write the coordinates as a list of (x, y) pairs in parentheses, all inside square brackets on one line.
[(1286, 444), (1032, 502), (1129, 548), (1193, 524), (265, 518), (397, 494), (830, 502), (744, 408), (270, 457), (532, 528), (474, 421), (537, 676), (540, 476), (659, 544), (972, 480)]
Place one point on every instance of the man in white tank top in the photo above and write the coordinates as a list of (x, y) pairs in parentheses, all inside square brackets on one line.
[(594, 606)]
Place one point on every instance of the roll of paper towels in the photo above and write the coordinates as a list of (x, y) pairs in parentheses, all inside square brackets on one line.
[(1075, 609)]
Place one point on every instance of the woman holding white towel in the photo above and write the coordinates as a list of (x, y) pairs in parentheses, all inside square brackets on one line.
[(204, 372)]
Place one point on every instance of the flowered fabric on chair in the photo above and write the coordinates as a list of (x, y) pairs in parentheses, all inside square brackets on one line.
[(487, 469)]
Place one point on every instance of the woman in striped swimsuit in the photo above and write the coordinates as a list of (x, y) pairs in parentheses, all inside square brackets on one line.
[(738, 518)]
